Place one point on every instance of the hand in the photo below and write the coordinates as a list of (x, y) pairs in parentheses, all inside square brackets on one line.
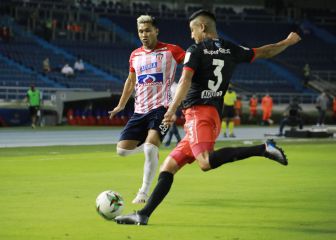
[(115, 111), (293, 38), (169, 118)]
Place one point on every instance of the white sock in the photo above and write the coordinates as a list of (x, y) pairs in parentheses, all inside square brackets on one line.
[(151, 163), (126, 152)]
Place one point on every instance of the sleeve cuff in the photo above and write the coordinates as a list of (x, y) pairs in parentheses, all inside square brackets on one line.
[(188, 69), (254, 54)]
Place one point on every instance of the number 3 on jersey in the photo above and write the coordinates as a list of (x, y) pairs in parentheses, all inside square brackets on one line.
[(214, 85)]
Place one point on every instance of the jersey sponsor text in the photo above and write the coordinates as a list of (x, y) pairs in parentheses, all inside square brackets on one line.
[(210, 94)]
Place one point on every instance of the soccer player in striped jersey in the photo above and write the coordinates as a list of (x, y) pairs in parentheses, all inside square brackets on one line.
[(151, 74), (208, 67)]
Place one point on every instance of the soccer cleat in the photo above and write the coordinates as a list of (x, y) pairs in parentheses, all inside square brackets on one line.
[(132, 219), (140, 198), (232, 135), (275, 153)]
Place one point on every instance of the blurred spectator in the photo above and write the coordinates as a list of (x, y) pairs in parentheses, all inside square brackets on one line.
[(306, 74), (173, 130), (46, 65), (34, 100), (228, 111), (321, 106), (74, 27), (67, 70), (5, 34), (267, 106), (253, 103), (238, 108), (79, 65), (47, 29), (70, 117), (292, 116), (334, 109)]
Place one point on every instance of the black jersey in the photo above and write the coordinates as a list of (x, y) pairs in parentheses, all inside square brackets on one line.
[(213, 62)]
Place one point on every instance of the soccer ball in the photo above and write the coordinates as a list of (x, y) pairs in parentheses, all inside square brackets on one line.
[(109, 204)]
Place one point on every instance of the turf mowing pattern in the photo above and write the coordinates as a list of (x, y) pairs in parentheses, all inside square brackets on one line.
[(50, 192)]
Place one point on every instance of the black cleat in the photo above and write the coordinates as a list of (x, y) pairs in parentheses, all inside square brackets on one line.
[(133, 218), (275, 153)]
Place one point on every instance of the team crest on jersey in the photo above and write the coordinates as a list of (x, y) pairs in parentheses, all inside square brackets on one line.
[(218, 44), (151, 79), (159, 56)]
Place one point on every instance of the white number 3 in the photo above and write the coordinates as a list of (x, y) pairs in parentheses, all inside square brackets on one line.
[(214, 85)]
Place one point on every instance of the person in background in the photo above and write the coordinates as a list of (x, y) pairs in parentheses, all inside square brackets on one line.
[(46, 65), (238, 107), (229, 111), (306, 74), (321, 106), (79, 65), (67, 71), (334, 109), (5, 34), (33, 98), (292, 116), (253, 103), (267, 106), (173, 130)]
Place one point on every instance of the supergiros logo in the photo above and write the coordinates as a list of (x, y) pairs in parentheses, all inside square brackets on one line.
[(151, 79)]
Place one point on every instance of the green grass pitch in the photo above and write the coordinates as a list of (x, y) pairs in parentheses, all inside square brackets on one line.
[(50, 192)]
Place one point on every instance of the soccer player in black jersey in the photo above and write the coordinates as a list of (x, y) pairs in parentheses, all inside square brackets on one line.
[(208, 67)]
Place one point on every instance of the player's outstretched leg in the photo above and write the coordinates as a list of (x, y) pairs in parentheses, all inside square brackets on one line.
[(159, 193), (272, 151), (133, 219)]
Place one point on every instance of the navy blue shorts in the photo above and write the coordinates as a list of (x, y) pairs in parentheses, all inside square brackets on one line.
[(139, 124), (228, 112)]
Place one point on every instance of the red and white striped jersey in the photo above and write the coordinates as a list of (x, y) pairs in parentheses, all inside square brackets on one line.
[(155, 73)]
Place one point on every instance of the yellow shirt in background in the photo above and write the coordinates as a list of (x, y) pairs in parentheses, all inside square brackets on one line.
[(230, 98)]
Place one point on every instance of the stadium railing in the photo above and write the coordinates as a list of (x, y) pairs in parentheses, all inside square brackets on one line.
[(19, 93)]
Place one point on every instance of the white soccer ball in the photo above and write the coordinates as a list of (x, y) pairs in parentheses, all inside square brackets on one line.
[(109, 204)]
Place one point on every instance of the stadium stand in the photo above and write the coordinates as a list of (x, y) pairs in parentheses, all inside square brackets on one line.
[(103, 34)]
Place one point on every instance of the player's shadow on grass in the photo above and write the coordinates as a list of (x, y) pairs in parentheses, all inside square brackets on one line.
[(262, 204), (295, 227)]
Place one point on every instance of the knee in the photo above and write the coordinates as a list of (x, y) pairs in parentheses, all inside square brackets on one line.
[(204, 165), (122, 152), (150, 148), (170, 165)]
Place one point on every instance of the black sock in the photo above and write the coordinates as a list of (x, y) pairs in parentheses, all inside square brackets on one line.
[(226, 155), (159, 193)]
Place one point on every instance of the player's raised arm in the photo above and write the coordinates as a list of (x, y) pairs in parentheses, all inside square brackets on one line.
[(181, 92), (126, 94), (271, 50)]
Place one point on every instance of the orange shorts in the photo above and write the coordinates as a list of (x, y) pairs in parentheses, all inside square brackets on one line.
[(202, 128), (266, 115), (253, 111)]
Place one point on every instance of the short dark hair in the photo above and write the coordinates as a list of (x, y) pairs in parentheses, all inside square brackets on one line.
[(202, 12)]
